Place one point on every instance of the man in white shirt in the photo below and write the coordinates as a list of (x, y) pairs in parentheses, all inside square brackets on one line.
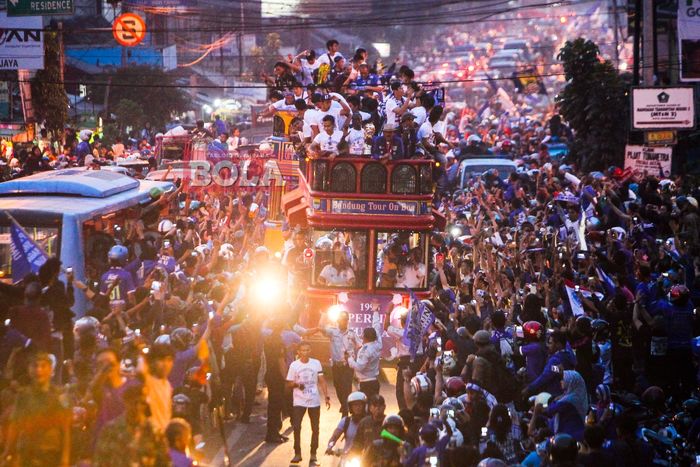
[(344, 341), (326, 143), (427, 102), (305, 377), (155, 375), (328, 104), (332, 47), (396, 104), (366, 365)]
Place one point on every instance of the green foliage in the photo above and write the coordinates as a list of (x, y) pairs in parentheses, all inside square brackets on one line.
[(265, 57), (595, 104), (110, 132), (48, 92), (137, 83), (129, 113)]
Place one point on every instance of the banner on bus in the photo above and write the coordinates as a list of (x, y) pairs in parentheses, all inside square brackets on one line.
[(651, 159), (360, 309)]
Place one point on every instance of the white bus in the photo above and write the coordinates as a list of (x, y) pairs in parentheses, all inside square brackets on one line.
[(72, 214)]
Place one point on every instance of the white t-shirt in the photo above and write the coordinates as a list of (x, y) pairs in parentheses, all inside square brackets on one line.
[(426, 131), (420, 114), (411, 276), (326, 59), (356, 141), (307, 70), (306, 374), (329, 142), (333, 277), (280, 106), (392, 103), (317, 117)]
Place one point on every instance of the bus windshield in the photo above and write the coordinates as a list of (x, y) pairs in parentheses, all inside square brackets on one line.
[(340, 258), (401, 260)]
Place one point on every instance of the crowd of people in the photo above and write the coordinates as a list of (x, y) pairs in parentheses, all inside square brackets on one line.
[(560, 319)]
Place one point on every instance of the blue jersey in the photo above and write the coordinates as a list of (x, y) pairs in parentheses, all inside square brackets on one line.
[(126, 284)]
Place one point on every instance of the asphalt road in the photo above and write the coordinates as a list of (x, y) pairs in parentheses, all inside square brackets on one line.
[(246, 442)]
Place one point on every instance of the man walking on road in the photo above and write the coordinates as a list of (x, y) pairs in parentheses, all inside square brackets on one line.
[(344, 342), (305, 376)]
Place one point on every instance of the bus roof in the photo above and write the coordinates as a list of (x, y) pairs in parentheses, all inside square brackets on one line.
[(81, 207), (70, 182)]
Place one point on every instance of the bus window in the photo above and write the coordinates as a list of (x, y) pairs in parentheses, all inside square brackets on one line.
[(343, 178), (45, 237), (402, 259), (426, 179), (319, 177), (340, 258), (403, 179), (373, 179)]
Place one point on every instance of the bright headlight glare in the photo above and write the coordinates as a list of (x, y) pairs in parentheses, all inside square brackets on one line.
[(334, 312), (267, 290), (455, 231), (353, 462)]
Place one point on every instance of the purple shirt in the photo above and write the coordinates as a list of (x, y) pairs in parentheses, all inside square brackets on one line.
[(179, 459), (183, 362), (535, 355), (126, 284)]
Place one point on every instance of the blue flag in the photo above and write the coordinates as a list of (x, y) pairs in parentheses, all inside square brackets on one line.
[(27, 256), (419, 320)]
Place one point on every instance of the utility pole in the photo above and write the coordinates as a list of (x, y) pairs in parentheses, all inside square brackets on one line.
[(616, 25), (240, 41), (637, 36), (648, 44)]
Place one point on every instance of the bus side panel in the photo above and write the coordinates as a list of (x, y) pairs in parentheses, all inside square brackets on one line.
[(73, 255)]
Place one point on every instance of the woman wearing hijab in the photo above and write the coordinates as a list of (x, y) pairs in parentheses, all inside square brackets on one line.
[(567, 413)]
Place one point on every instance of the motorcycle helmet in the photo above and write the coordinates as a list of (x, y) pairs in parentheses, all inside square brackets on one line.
[(679, 294), (532, 331), (601, 329), (118, 253), (429, 433), (181, 405), (226, 251), (181, 339), (593, 224), (449, 362), (357, 396), (165, 226), (455, 386), (163, 339), (491, 462), (563, 449), (692, 406), (421, 384), (392, 420), (452, 403), (202, 249)]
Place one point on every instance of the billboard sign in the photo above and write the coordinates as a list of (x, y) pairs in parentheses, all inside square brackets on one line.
[(21, 43)]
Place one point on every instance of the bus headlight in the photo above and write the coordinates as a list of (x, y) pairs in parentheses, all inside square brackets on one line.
[(267, 290), (334, 312)]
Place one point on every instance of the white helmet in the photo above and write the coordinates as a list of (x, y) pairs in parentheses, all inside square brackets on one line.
[(85, 134), (357, 396), (163, 339), (449, 362), (421, 384), (457, 438), (203, 249), (226, 251), (165, 226)]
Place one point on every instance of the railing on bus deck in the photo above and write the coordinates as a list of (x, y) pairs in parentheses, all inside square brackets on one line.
[(408, 177)]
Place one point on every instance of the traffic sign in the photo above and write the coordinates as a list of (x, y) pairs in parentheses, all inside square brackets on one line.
[(39, 7), (659, 108), (129, 29)]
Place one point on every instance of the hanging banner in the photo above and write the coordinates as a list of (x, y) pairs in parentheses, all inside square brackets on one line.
[(21, 43), (650, 159), (689, 39)]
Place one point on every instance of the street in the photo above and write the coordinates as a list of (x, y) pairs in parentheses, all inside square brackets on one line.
[(246, 441)]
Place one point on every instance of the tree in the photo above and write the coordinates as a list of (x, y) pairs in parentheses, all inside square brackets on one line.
[(265, 57), (128, 113), (150, 88), (48, 92), (595, 104)]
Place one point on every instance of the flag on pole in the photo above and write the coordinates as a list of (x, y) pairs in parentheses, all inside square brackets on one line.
[(419, 320), (27, 256), (574, 300)]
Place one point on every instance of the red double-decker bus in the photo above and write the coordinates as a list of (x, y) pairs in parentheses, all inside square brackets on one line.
[(369, 225)]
